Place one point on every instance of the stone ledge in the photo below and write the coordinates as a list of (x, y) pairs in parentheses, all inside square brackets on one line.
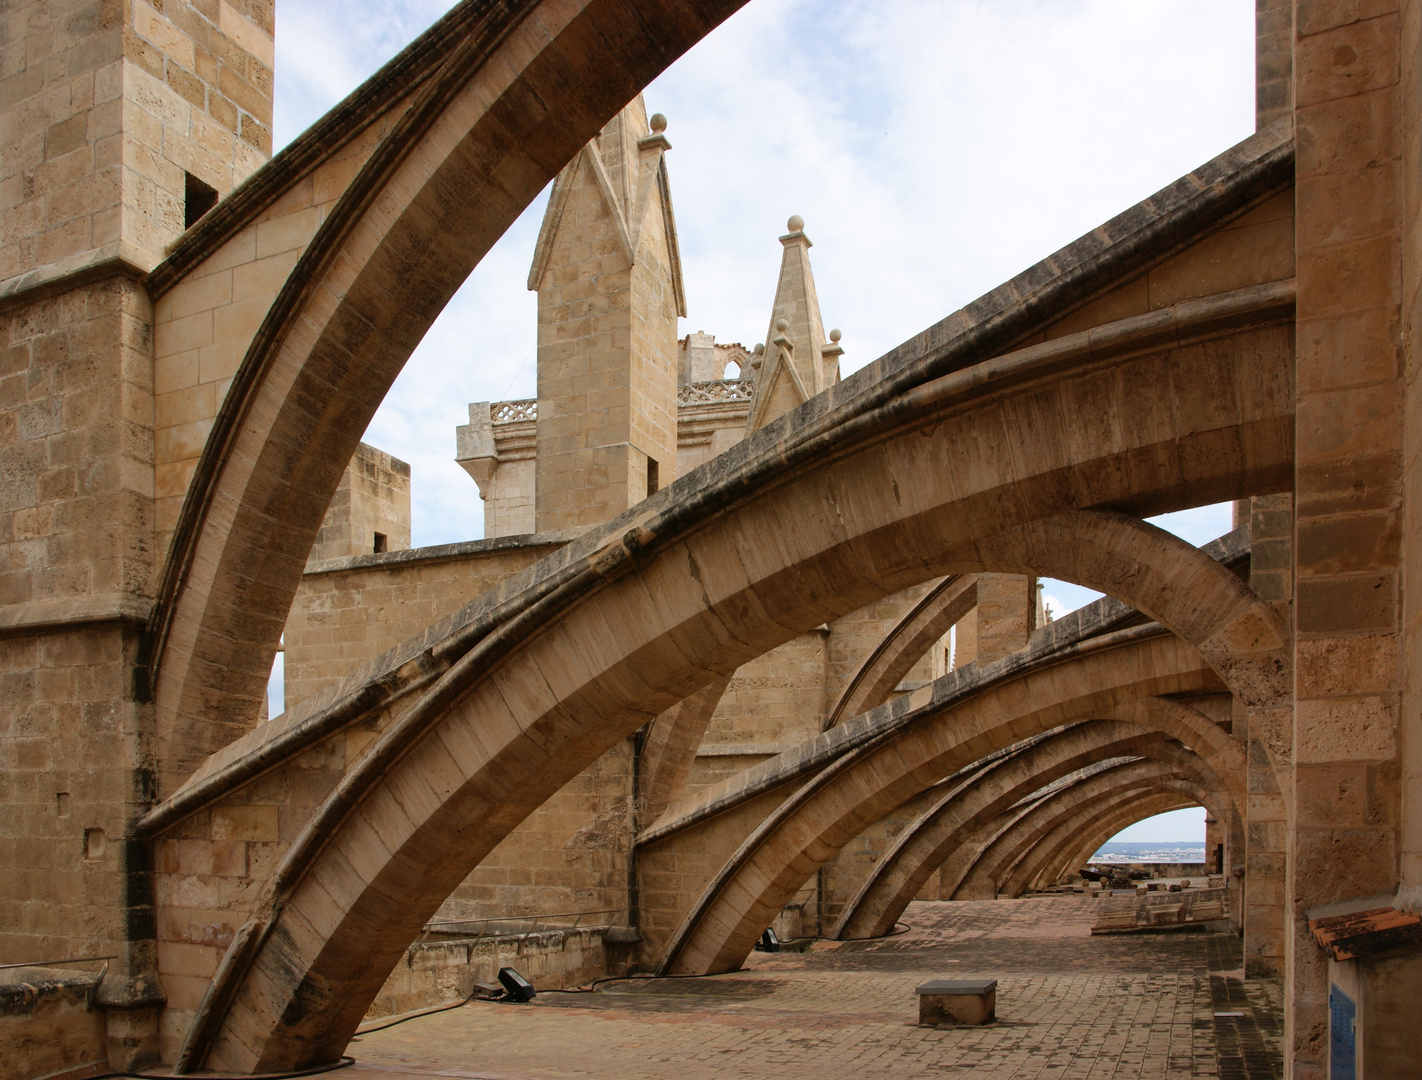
[(441, 552)]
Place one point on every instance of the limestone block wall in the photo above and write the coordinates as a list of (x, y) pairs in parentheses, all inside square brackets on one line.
[(370, 512), (108, 105), (570, 855), (76, 484), (439, 971), (854, 636), (77, 457), (199, 93), (653, 428), (673, 873), (700, 359), (71, 739), (203, 326), (1007, 614), (210, 870), (781, 699), (47, 1028), (710, 419), (1410, 863), (840, 878), (776, 700), (348, 611), (1349, 566)]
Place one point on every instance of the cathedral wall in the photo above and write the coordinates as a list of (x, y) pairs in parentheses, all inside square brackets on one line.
[(854, 636), (1411, 845), (1349, 488), (76, 547), (673, 873), (570, 855), (76, 455), (349, 611), (842, 877), (775, 701), (73, 763)]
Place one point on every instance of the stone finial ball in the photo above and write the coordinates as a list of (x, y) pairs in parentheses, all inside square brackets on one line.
[(658, 122), (835, 335), (781, 325), (796, 223), (759, 349)]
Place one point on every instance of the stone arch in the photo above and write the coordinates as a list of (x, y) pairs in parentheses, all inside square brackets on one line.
[(901, 647), (1099, 824), (864, 785), (991, 870), (1051, 846), (531, 82), (542, 676), (1075, 855), (1164, 577), (943, 828), (1100, 827), (409, 229)]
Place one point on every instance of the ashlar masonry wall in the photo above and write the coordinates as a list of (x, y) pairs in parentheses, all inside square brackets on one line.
[(370, 512), (108, 105)]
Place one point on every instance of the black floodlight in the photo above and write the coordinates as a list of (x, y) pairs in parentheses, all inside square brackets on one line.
[(769, 942), (516, 986)]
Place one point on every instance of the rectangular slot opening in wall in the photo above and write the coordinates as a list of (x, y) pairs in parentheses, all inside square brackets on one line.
[(198, 199), (381, 543), (653, 477)]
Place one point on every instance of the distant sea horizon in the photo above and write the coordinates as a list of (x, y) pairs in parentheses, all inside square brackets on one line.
[(1166, 851)]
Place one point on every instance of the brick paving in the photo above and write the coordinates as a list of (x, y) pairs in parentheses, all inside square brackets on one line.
[(1069, 1006)]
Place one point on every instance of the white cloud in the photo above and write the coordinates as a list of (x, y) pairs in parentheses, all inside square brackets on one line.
[(933, 148)]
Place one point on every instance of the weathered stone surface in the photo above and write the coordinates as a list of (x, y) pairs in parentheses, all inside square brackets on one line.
[(464, 723)]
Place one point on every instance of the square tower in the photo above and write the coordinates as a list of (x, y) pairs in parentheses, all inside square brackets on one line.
[(124, 121), (608, 275)]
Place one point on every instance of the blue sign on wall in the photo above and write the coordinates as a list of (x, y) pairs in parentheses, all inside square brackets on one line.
[(1342, 1036)]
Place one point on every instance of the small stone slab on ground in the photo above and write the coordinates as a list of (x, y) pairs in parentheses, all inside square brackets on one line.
[(950, 1002)]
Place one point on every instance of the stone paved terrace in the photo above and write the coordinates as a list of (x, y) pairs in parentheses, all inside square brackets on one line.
[(1069, 1006)]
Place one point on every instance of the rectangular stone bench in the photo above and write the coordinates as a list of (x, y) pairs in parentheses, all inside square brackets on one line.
[(950, 1002)]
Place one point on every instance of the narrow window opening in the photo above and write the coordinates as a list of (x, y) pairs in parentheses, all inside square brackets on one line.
[(653, 476), (733, 370), (62, 799), (198, 199), (93, 843), (381, 543)]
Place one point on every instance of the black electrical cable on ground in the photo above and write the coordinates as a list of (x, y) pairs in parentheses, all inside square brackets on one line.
[(589, 989), (428, 1012)]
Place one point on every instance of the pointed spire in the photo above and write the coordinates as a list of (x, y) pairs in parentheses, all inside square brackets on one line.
[(795, 366), (626, 161)]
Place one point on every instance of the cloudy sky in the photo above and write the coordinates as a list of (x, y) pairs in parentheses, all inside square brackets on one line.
[(934, 148)]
